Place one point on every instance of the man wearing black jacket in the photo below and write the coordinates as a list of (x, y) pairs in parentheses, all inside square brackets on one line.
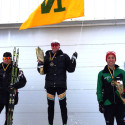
[(5, 80), (56, 64)]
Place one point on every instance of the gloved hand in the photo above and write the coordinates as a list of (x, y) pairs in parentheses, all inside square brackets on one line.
[(74, 56), (123, 95), (21, 74), (40, 67), (40, 64), (101, 107)]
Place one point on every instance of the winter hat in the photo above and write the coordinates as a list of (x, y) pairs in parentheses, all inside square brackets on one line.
[(7, 54), (110, 53), (55, 42)]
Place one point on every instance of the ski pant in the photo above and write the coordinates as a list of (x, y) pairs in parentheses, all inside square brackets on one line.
[(114, 111), (61, 92), (6, 110)]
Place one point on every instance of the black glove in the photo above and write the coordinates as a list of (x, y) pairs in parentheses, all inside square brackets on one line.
[(101, 107), (74, 56), (40, 64), (21, 74), (123, 95)]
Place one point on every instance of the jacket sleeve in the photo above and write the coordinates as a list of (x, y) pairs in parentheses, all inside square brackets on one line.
[(40, 67), (70, 64), (21, 81), (43, 65), (99, 88), (46, 63)]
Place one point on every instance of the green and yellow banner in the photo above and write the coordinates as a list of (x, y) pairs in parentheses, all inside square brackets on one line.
[(54, 11)]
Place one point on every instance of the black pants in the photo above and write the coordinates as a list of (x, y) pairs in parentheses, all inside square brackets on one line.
[(51, 92), (115, 111), (6, 110)]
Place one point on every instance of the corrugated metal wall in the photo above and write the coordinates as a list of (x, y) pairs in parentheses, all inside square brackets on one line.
[(17, 11), (91, 43)]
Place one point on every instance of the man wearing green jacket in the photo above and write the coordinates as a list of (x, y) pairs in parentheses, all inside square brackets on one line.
[(111, 91)]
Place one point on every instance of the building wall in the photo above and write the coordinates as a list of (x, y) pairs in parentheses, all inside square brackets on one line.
[(91, 43), (17, 11)]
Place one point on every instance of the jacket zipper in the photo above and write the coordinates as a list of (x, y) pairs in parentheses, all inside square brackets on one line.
[(114, 94)]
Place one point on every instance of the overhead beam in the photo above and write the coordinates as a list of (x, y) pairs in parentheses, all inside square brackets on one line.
[(71, 23)]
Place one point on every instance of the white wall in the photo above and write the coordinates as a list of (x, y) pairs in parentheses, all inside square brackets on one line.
[(91, 43), (17, 11)]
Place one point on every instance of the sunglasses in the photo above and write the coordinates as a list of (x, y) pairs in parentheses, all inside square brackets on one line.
[(55, 44), (6, 58)]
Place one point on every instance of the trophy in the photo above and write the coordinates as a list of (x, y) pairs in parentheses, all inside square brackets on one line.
[(120, 89), (40, 57)]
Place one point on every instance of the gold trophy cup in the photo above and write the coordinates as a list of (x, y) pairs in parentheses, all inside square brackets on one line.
[(120, 88), (40, 57)]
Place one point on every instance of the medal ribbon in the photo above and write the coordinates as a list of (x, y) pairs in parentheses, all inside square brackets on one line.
[(6, 67), (51, 58), (112, 75)]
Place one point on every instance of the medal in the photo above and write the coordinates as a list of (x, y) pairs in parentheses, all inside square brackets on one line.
[(51, 59), (51, 64), (4, 70)]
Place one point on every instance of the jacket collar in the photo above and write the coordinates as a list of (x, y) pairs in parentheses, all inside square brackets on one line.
[(106, 68)]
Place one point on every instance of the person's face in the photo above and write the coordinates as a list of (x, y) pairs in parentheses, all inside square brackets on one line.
[(111, 60), (6, 60), (55, 47)]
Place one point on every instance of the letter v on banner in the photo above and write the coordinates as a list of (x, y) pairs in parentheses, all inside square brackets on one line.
[(46, 8), (54, 11)]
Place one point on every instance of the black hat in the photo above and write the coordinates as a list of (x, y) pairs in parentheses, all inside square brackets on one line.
[(7, 54)]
